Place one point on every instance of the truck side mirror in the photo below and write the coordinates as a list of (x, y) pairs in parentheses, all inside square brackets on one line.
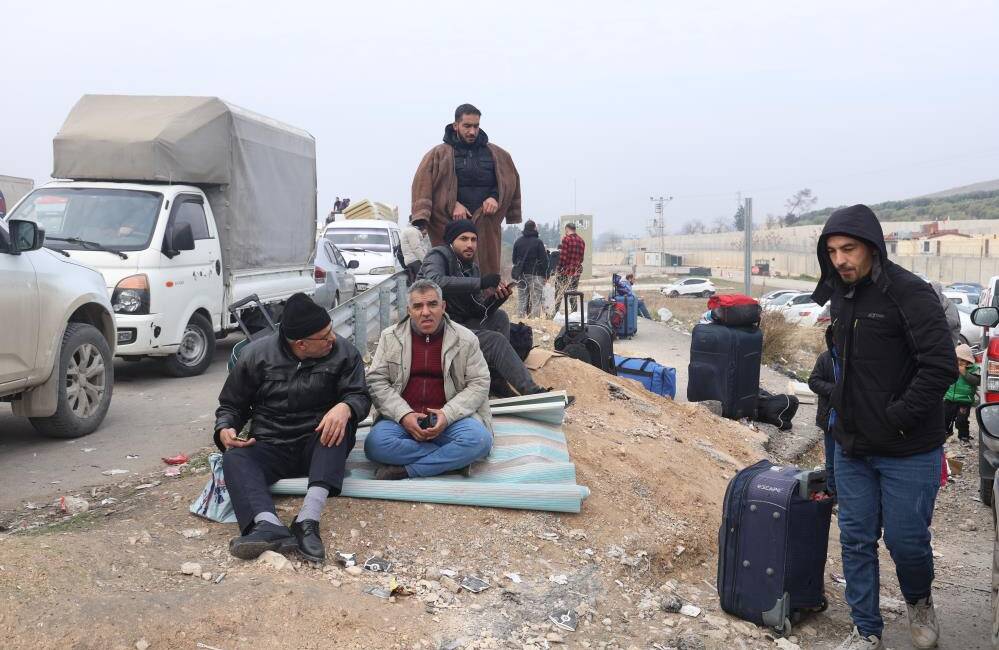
[(177, 238), (985, 316), (25, 236), (353, 264)]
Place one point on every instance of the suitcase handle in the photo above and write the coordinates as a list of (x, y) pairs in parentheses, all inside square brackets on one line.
[(582, 319)]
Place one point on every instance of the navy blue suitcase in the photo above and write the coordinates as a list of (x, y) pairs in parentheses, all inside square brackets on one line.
[(772, 544), (725, 366)]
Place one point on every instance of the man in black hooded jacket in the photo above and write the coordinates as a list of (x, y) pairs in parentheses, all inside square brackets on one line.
[(895, 361), (530, 268)]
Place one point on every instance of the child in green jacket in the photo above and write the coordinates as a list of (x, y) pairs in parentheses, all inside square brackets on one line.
[(962, 394)]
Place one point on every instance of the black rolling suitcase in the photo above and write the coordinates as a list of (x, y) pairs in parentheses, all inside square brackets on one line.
[(725, 366), (772, 544), (600, 311), (593, 344)]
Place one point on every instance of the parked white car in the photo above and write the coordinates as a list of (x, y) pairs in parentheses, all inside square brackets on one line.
[(781, 301), (373, 243), (58, 337), (689, 287), (767, 298), (801, 309), (970, 333), (959, 297)]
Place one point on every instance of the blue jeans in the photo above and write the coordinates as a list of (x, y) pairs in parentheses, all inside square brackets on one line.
[(896, 494), (458, 445), (830, 466), (643, 311)]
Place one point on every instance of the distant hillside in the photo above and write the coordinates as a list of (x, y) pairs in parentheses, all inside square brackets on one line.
[(984, 186), (954, 204)]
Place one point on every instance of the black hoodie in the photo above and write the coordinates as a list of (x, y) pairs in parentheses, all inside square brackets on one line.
[(475, 168), (890, 339), (530, 253)]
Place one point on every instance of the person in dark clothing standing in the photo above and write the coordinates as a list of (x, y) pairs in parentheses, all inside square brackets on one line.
[(894, 362), (468, 177), (474, 301), (530, 268), (303, 391), (822, 381)]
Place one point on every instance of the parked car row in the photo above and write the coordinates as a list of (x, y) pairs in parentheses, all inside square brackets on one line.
[(796, 306)]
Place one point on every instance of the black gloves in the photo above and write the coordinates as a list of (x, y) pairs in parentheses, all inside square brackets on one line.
[(490, 281)]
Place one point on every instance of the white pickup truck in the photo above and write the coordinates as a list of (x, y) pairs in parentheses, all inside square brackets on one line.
[(57, 340), (185, 205)]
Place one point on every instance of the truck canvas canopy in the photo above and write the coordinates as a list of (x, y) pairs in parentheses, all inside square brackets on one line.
[(259, 174)]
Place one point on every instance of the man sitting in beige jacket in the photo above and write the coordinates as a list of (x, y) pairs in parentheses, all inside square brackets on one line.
[(430, 385)]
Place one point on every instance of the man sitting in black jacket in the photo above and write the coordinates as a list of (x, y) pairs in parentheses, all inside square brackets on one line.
[(894, 362), (475, 302), (303, 389)]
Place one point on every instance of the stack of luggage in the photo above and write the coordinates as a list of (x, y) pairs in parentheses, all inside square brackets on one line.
[(592, 343), (725, 356)]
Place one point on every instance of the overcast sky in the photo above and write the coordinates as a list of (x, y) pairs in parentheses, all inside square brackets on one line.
[(601, 104)]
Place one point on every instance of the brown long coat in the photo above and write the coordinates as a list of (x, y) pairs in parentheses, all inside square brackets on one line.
[(435, 191)]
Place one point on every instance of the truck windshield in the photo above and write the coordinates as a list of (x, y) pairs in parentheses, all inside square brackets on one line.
[(364, 239), (111, 218)]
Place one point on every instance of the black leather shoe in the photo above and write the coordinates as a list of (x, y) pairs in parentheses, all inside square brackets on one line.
[(310, 545), (264, 536)]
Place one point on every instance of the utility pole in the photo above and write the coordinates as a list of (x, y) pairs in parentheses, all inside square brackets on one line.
[(658, 225), (748, 230)]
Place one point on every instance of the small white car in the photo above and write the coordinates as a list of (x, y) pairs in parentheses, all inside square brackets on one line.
[(970, 333), (801, 309), (689, 287), (767, 298), (373, 243), (781, 301), (959, 297)]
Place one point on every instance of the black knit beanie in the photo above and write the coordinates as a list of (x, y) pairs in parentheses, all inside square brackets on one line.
[(302, 318), (456, 228)]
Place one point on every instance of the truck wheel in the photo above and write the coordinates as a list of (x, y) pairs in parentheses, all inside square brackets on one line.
[(86, 362), (197, 348)]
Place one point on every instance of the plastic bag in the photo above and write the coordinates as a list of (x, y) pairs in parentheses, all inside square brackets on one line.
[(548, 298), (214, 503)]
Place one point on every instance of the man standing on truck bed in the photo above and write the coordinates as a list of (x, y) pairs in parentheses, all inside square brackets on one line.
[(894, 358), (303, 389), (468, 177)]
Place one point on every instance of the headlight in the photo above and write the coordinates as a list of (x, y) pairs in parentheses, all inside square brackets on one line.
[(131, 295), (382, 270)]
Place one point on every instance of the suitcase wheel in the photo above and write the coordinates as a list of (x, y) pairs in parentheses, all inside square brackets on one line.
[(785, 629)]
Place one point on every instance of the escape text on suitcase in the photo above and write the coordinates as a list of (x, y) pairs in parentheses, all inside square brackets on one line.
[(725, 366), (772, 544), (593, 344), (656, 377)]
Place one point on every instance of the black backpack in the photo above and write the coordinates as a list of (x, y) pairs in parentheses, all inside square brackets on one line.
[(522, 339), (777, 410)]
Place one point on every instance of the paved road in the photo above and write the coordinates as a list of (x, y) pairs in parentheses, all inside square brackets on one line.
[(151, 416)]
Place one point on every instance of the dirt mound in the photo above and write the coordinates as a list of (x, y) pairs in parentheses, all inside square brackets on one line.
[(656, 469)]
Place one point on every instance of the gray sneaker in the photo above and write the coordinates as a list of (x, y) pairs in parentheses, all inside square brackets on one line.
[(923, 626), (857, 642)]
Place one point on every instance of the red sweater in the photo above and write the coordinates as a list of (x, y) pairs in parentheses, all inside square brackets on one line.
[(425, 388)]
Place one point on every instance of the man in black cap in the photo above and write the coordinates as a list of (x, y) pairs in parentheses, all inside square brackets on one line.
[(894, 361), (303, 392), (475, 301)]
